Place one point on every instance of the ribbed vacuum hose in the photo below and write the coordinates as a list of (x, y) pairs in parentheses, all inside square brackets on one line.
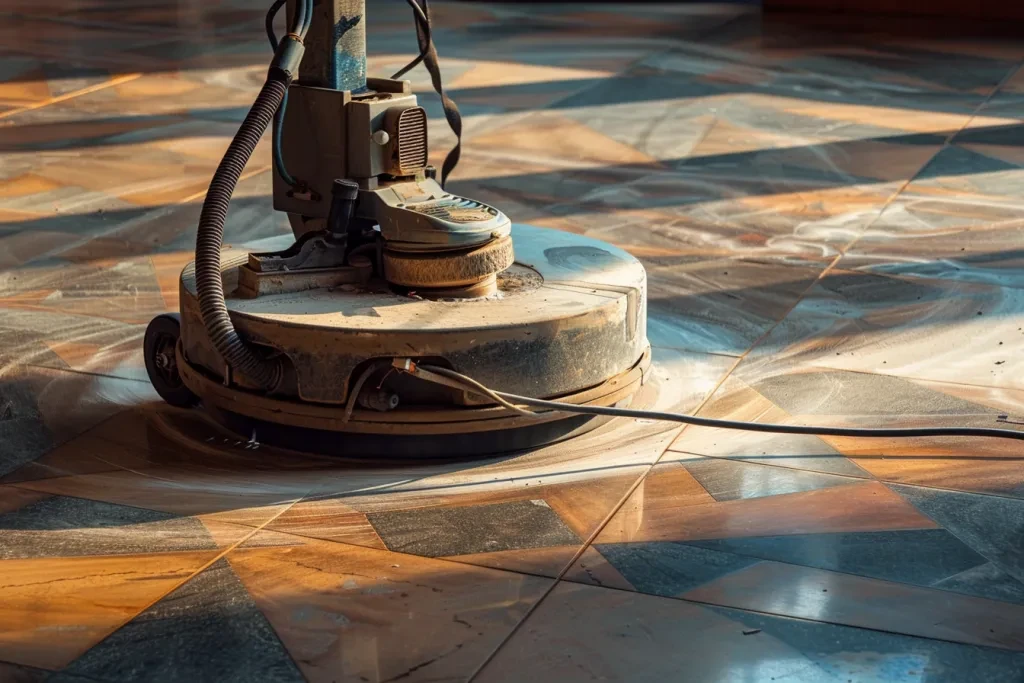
[(209, 286)]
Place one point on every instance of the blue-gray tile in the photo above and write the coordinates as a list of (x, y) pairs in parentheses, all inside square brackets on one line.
[(853, 654), (444, 531), (992, 525), (734, 479), (837, 392), (61, 526), (918, 556), (986, 581), (670, 569)]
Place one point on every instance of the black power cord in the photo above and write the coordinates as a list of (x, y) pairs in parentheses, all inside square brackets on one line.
[(299, 26), (428, 55), (504, 398)]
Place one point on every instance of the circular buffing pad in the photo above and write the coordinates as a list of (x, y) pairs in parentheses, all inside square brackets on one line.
[(448, 269), (568, 320)]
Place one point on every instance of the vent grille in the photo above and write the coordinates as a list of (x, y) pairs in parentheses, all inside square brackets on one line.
[(411, 152)]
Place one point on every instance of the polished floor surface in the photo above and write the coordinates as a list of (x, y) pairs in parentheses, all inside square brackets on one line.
[(832, 227)]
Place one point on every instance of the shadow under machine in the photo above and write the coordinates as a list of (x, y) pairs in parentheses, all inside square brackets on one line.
[(391, 278)]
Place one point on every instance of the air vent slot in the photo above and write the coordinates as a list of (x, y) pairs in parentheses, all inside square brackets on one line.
[(411, 141)]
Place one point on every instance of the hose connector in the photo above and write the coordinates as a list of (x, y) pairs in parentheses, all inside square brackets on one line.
[(287, 57)]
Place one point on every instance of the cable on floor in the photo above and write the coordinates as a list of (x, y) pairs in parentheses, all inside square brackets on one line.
[(444, 376)]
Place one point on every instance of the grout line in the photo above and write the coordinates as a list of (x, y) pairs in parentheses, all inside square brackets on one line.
[(117, 80), (202, 193), (915, 379), (686, 349), (86, 373)]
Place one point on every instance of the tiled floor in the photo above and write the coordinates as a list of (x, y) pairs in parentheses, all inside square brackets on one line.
[(831, 224)]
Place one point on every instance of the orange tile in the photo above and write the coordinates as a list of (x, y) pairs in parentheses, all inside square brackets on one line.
[(13, 499), (330, 520), (224, 534), (667, 489), (492, 74), (347, 613), (866, 506), (585, 504), (56, 609), (552, 136)]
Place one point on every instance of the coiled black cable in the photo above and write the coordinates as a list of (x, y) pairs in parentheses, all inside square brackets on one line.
[(209, 286)]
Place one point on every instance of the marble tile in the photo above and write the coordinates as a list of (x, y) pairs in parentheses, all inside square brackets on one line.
[(85, 454), (350, 613), (207, 629), (922, 557), (721, 306), (54, 610), (907, 246), (534, 525), (842, 398), (594, 569), (735, 400), (548, 561), (98, 228), (727, 480), (669, 569), (987, 581), (652, 639), (37, 335), (910, 327), (737, 155), (111, 289), (329, 520), (436, 532), (864, 506), (819, 595), (990, 524), (42, 408), (57, 526)]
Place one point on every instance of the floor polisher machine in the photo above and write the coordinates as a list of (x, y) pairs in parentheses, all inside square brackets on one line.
[(401, 312)]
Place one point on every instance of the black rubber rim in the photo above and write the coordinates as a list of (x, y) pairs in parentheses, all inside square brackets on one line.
[(398, 447), (161, 361)]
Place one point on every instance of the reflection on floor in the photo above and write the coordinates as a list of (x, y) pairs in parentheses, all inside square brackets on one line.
[(831, 226)]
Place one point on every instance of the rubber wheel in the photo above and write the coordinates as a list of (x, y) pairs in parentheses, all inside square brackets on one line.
[(162, 336)]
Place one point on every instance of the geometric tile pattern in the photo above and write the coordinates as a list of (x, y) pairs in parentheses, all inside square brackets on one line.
[(830, 224)]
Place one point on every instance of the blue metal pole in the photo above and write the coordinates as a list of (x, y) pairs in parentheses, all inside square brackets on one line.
[(336, 46)]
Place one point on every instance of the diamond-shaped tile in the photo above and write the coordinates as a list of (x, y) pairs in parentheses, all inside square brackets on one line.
[(437, 532)]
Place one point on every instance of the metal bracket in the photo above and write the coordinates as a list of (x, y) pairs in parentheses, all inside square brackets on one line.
[(314, 261)]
